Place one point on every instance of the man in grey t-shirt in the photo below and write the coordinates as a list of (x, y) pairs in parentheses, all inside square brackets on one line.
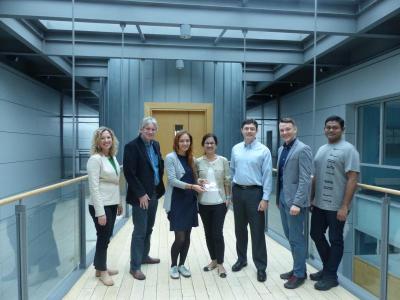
[(336, 169)]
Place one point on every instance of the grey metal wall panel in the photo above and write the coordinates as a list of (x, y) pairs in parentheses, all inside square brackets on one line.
[(18, 88), (207, 84), (15, 117), (160, 81), (25, 175), (29, 122), (196, 83), (18, 147)]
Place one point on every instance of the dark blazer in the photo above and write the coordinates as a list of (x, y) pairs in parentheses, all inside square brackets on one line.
[(139, 172)]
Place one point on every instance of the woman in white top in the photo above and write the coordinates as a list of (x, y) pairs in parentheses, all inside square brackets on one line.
[(105, 201), (214, 174)]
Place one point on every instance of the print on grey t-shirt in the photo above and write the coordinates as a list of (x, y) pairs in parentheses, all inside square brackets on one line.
[(331, 163)]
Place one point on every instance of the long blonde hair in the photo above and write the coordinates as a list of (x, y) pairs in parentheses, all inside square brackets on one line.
[(97, 138)]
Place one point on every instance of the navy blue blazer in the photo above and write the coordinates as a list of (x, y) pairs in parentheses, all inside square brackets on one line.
[(139, 172)]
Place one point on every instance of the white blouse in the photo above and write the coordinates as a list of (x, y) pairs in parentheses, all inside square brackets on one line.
[(219, 170)]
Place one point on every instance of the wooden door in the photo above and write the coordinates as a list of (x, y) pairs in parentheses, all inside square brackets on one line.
[(171, 121), (167, 122), (194, 117)]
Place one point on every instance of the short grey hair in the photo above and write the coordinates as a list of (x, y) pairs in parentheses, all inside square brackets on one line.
[(148, 120)]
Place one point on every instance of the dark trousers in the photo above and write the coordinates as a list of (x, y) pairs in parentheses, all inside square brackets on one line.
[(213, 217), (143, 222), (330, 253), (104, 234), (245, 210)]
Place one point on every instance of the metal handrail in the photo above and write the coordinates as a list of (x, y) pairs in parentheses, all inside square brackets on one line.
[(41, 190), (371, 188)]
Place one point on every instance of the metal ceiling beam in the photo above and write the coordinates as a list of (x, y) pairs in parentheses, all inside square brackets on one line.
[(29, 38), (377, 14), (144, 51), (258, 76), (142, 37), (367, 20), (91, 71), (219, 37), (166, 41), (164, 14)]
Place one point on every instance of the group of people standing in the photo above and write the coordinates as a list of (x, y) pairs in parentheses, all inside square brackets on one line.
[(209, 184)]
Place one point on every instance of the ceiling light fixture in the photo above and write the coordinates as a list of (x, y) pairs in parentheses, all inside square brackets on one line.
[(179, 64), (185, 31)]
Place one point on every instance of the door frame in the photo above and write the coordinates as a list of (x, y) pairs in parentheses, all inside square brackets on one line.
[(149, 107)]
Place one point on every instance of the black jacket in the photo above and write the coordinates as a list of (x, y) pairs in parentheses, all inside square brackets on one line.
[(139, 172)]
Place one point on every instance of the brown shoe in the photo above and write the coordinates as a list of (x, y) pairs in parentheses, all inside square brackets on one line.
[(138, 275), (150, 261), (106, 279), (110, 272)]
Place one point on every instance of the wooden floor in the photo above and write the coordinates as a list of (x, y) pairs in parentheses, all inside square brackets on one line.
[(202, 285)]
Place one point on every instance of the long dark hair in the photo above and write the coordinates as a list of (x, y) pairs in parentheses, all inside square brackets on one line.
[(189, 152)]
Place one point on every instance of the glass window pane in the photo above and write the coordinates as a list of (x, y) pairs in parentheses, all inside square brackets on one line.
[(369, 132), (53, 240), (367, 236), (8, 250), (394, 252), (392, 134), (274, 216), (384, 177)]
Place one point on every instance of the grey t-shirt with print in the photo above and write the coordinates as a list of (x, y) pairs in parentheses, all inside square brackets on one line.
[(331, 163)]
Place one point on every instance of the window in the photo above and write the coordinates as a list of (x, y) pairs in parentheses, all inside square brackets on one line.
[(369, 129), (391, 139), (378, 139)]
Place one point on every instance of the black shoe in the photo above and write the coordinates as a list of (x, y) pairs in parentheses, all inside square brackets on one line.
[(222, 274), (325, 284), (261, 275), (294, 282), (238, 266), (316, 276), (287, 275), (209, 268)]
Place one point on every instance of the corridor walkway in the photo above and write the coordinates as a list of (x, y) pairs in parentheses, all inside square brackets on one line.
[(202, 285)]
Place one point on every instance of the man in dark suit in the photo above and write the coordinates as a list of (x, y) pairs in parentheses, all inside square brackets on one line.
[(143, 169)]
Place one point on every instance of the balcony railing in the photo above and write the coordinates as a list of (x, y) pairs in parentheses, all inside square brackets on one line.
[(47, 236), (47, 239), (372, 240)]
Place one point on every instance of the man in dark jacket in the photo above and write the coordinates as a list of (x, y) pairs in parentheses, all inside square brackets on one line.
[(143, 169)]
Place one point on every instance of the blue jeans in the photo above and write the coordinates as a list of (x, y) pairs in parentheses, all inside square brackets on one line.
[(143, 222), (293, 227)]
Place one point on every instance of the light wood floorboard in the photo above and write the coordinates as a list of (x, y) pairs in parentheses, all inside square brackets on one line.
[(202, 285)]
